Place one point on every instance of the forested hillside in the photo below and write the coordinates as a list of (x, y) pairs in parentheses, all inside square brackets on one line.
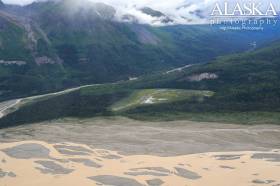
[(241, 88), (49, 46)]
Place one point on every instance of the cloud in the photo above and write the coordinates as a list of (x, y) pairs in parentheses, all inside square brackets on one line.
[(181, 11), (178, 10), (18, 2)]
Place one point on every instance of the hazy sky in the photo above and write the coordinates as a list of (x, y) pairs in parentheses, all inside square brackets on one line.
[(176, 9), (169, 7), (146, 2), (21, 2)]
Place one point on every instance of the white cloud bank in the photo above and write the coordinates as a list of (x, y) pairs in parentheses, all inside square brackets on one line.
[(181, 11)]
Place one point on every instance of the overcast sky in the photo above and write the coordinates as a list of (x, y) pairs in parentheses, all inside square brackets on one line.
[(173, 8), (159, 3), (168, 7), (21, 2)]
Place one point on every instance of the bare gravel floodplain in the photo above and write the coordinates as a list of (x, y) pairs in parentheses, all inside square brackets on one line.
[(150, 138), (123, 152)]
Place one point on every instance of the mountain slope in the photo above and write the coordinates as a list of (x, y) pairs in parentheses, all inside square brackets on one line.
[(13, 39), (240, 88), (252, 77), (65, 45), (246, 82)]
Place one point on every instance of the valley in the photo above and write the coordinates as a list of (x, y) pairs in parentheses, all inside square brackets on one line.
[(91, 94), (63, 47), (165, 138), (142, 153)]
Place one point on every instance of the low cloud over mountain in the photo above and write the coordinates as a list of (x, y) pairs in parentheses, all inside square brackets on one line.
[(157, 12)]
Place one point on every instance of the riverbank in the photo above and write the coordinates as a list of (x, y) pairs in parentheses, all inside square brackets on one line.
[(71, 164), (134, 137)]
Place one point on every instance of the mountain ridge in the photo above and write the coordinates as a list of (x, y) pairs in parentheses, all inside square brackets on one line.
[(236, 88), (58, 48)]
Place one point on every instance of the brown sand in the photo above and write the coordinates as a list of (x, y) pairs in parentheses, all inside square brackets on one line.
[(36, 163)]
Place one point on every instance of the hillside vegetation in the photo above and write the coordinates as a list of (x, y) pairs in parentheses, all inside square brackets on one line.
[(63, 47), (241, 88)]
